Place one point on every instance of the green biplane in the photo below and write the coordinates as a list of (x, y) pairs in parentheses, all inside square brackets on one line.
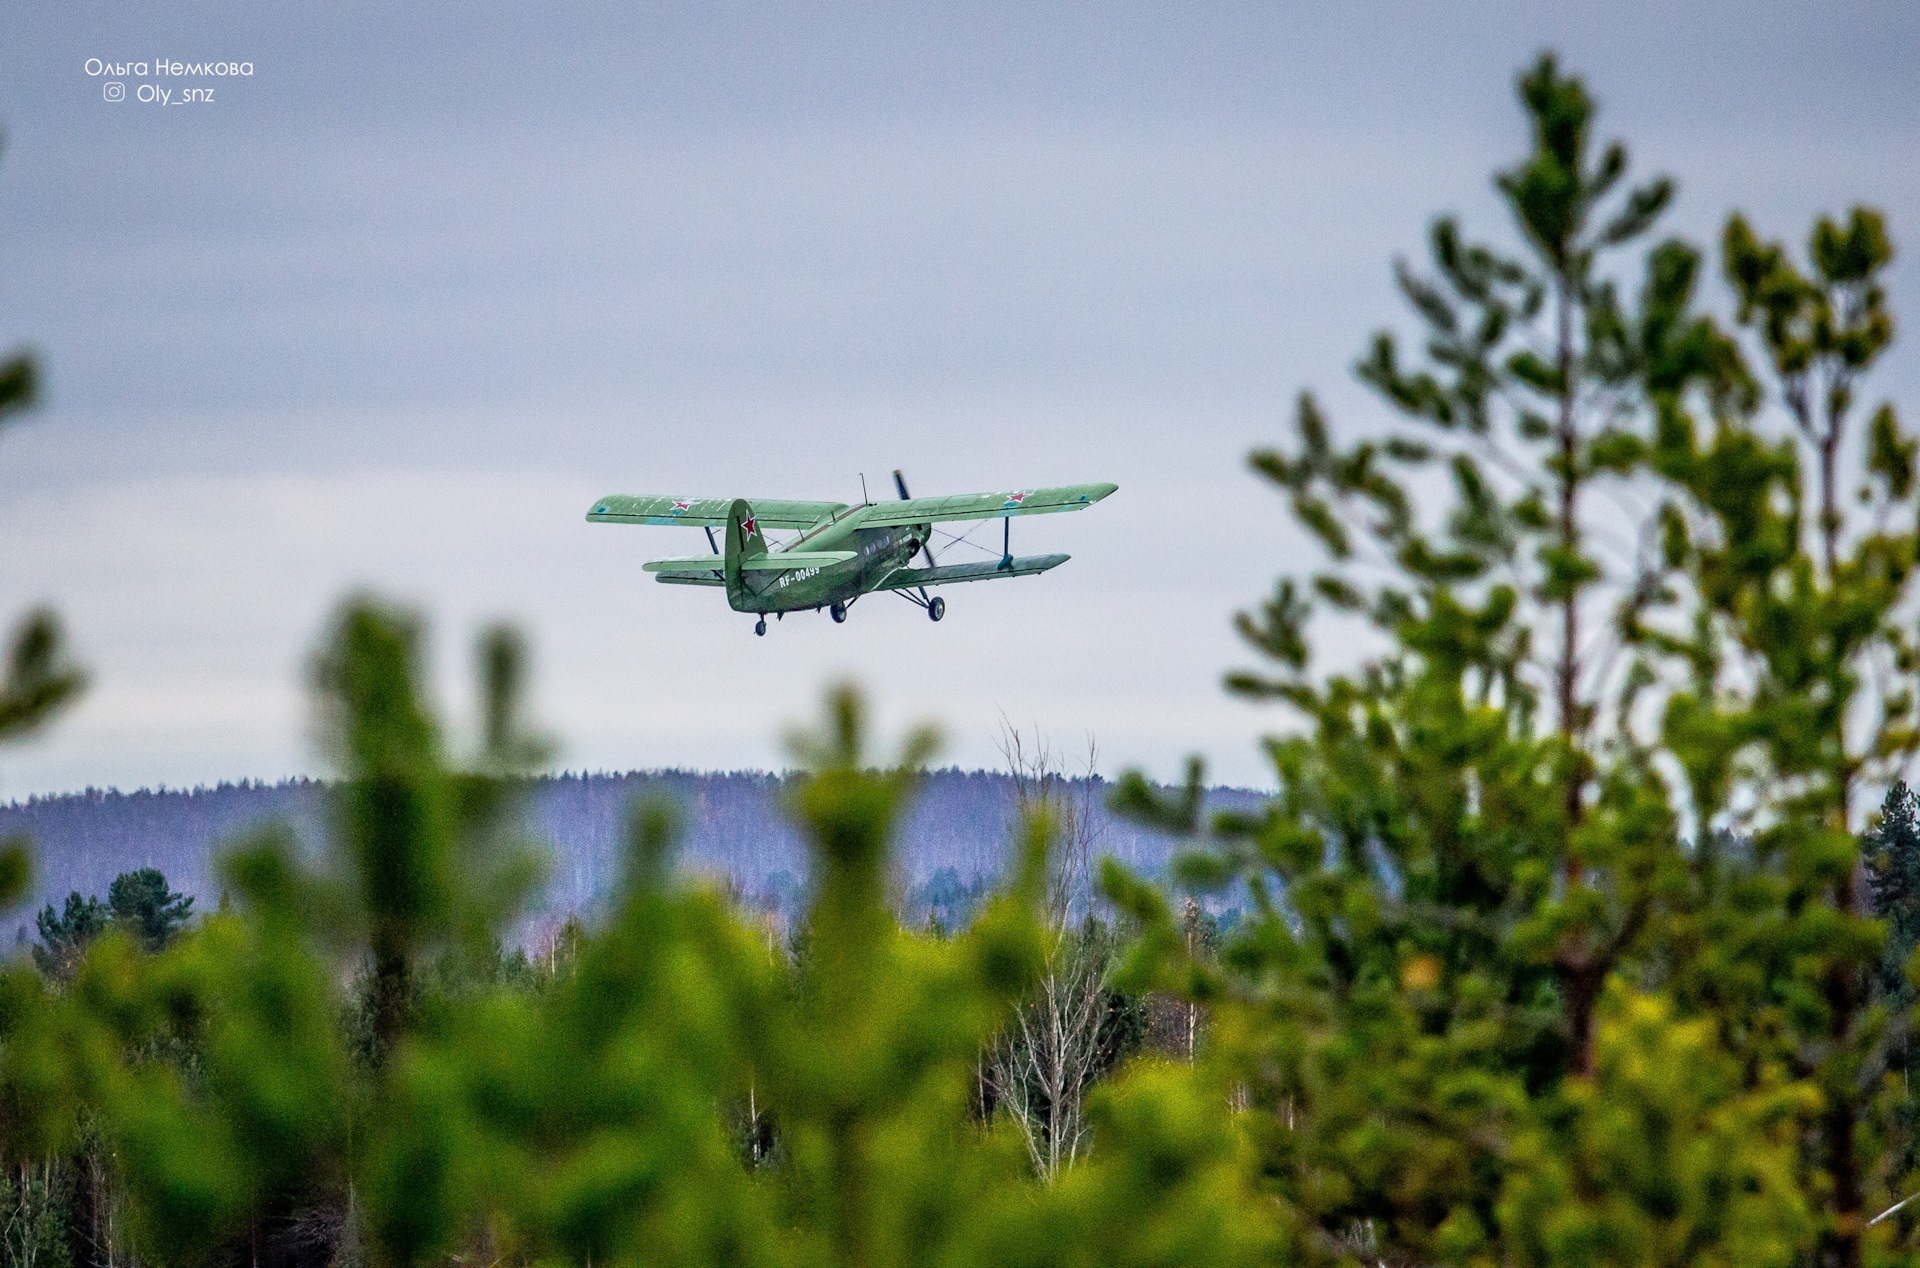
[(840, 552)]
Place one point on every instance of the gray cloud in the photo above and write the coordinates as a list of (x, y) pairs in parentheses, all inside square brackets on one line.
[(391, 310)]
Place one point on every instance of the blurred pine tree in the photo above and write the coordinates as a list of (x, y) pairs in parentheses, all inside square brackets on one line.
[(38, 678)]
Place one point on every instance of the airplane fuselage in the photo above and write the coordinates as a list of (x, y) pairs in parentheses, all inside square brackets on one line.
[(878, 552)]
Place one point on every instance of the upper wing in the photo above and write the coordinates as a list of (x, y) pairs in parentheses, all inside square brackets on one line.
[(620, 508), (982, 506)]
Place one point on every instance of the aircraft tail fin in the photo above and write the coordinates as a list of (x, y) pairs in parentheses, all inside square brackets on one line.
[(744, 541)]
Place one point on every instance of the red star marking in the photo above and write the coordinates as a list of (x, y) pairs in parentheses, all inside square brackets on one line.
[(746, 527), (680, 505), (1016, 498)]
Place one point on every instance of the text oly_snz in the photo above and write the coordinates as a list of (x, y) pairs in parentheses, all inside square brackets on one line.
[(154, 94)]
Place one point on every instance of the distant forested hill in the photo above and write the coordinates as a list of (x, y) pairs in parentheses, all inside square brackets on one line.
[(955, 839)]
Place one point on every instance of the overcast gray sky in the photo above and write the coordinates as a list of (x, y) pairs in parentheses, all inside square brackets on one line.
[(392, 310)]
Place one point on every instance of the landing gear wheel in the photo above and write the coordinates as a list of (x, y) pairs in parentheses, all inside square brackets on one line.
[(838, 612), (936, 609), (760, 627)]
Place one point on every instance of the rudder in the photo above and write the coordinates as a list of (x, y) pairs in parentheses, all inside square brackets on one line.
[(744, 540)]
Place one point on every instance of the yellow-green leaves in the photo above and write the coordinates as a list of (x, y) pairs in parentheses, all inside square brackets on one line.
[(1839, 312), (1667, 1156)]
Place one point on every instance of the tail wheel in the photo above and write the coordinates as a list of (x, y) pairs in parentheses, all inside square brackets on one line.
[(839, 612), (760, 627), (936, 609)]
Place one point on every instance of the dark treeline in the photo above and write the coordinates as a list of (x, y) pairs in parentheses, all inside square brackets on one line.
[(954, 838)]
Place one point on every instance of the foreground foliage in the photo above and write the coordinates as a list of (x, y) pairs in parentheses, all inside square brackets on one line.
[(582, 1121)]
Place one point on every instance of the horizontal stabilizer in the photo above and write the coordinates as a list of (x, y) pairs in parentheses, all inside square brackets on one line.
[(621, 508), (691, 579), (683, 563), (949, 574), (752, 563), (785, 561)]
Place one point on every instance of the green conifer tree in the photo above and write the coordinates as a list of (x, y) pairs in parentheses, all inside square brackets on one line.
[(151, 913), (1892, 852), (1504, 996), (65, 936)]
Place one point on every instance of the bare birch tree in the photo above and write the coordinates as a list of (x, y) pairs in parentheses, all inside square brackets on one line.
[(1045, 787), (1038, 1069)]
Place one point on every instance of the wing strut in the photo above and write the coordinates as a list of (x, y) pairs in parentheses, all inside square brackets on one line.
[(900, 483), (710, 541)]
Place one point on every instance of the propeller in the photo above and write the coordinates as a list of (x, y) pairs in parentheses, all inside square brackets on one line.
[(900, 483)]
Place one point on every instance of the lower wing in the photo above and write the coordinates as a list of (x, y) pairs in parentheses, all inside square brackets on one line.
[(950, 574)]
